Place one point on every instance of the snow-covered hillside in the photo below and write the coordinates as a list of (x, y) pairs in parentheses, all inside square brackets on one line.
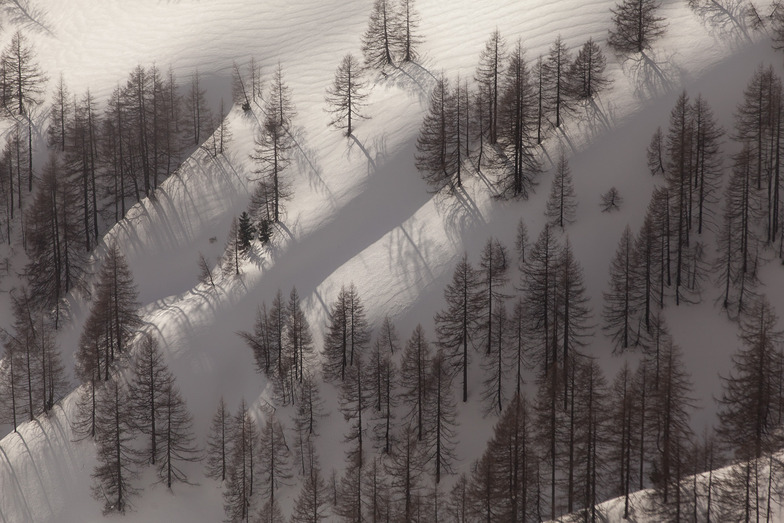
[(360, 212)]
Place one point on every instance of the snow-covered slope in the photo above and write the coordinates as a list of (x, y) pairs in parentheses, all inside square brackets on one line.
[(360, 210)]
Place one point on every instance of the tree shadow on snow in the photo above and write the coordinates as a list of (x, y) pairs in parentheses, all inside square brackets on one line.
[(412, 77), (374, 153), (459, 210), (306, 160), (651, 76)]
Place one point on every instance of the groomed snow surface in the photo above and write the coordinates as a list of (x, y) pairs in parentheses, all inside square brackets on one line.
[(360, 210)]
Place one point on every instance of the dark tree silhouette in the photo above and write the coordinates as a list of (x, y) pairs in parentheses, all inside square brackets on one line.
[(438, 143), (230, 263), (611, 200), (618, 312), (406, 34), (355, 398), (116, 456), (275, 142), (177, 442), (377, 42), (24, 84), (414, 383), (456, 327), (538, 279), (587, 72), (150, 384), (655, 153), (199, 117), (274, 459), (516, 120), (636, 25), (238, 497), (346, 96), (218, 441), (558, 84), (405, 469), (297, 340), (562, 204), (382, 377), (738, 240), (489, 75), (55, 240), (348, 334), (441, 439), (312, 503), (493, 268)]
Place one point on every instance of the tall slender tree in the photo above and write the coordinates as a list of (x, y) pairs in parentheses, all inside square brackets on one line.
[(114, 434), (562, 204), (520, 165), (456, 327), (346, 96)]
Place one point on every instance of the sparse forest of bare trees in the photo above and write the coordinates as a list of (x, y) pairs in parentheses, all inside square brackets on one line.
[(517, 329)]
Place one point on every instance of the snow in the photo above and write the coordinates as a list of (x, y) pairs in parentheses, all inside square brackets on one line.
[(360, 212)]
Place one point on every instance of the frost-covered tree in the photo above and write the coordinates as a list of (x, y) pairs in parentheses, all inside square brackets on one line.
[(346, 96)]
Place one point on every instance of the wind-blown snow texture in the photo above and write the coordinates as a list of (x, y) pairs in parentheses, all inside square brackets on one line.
[(360, 212)]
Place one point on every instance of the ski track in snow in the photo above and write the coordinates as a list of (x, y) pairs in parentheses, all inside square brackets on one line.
[(361, 211)]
